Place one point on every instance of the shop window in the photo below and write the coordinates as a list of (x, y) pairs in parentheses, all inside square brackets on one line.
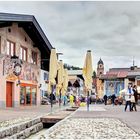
[(23, 53), (22, 95), (34, 95), (28, 95), (46, 76), (34, 57), (10, 48)]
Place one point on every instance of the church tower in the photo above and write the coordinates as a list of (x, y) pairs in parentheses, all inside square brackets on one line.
[(100, 68), (100, 83)]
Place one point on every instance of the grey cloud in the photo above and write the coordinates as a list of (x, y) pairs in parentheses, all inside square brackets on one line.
[(110, 29)]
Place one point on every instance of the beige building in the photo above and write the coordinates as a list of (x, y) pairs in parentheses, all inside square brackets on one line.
[(21, 36)]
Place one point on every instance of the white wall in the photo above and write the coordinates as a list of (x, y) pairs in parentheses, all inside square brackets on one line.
[(44, 86)]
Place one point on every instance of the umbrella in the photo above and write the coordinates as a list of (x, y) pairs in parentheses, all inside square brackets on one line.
[(53, 66), (88, 70), (65, 83), (87, 74), (60, 77)]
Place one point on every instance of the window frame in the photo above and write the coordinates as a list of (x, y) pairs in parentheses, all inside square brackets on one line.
[(34, 62), (26, 50), (14, 47)]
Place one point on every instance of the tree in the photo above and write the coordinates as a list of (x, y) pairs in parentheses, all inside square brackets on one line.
[(94, 74), (71, 67)]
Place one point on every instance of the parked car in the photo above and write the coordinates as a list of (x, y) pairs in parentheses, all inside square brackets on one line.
[(93, 98), (45, 101)]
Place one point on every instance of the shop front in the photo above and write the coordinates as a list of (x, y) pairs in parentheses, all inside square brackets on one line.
[(28, 94), (113, 87)]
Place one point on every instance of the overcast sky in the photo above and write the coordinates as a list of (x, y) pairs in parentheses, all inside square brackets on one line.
[(110, 29)]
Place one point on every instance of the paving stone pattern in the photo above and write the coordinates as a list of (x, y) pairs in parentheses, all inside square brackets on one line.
[(92, 128)]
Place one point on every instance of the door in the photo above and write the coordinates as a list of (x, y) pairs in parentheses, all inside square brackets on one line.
[(22, 95), (28, 96), (8, 94)]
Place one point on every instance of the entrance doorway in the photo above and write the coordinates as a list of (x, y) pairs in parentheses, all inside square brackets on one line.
[(9, 95), (28, 94)]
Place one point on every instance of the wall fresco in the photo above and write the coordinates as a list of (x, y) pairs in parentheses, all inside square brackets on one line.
[(113, 87)]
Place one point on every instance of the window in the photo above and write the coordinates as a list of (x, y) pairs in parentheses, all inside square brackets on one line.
[(46, 76), (34, 57), (100, 66), (23, 53), (10, 48)]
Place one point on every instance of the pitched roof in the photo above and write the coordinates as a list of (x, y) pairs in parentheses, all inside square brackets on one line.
[(115, 73), (32, 28), (119, 69), (100, 61), (133, 73), (122, 74)]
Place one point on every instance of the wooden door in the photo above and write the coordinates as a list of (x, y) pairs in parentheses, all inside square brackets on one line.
[(8, 94)]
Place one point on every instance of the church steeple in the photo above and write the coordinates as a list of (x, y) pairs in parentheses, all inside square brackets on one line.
[(100, 68)]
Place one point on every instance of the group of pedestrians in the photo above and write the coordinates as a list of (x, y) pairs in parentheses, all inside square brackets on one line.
[(112, 99), (131, 97)]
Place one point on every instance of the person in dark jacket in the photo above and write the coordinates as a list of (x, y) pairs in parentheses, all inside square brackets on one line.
[(113, 99), (52, 98), (105, 99), (135, 93), (135, 98)]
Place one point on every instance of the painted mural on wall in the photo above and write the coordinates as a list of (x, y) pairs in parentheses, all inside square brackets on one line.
[(8, 66), (29, 72), (113, 87)]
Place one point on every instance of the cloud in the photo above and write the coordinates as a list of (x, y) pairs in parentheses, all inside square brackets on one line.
[(110, 29)]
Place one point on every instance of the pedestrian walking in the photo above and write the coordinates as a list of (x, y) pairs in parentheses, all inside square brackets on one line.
[(105, 99), (64, 100), (52, 98), (135, 93), (134, 98), (128, 95), (71, 100), (113, 99)]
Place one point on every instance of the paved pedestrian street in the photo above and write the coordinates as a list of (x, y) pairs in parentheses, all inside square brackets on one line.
[(92, 128), (99, 122)]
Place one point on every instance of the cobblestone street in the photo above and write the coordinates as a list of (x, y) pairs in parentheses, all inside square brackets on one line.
[(100, 122), (88, 128)]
